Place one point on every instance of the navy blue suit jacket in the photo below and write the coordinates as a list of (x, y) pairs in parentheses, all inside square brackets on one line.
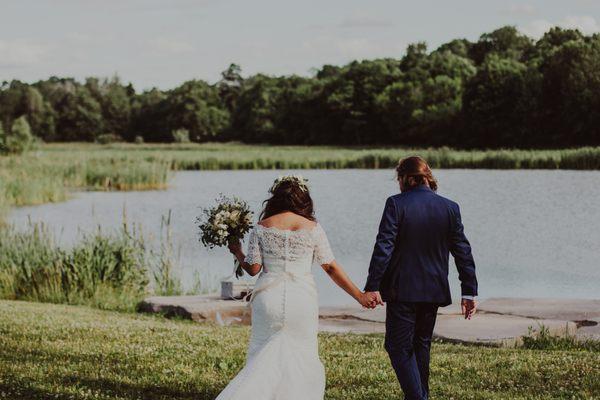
[(418, 231)]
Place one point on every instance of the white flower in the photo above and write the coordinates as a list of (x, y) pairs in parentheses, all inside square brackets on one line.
[(298, 179)]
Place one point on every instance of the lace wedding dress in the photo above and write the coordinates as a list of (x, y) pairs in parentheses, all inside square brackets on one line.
[(283, 361)]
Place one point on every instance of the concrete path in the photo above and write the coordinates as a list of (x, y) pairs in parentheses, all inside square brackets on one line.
[(500, 321)]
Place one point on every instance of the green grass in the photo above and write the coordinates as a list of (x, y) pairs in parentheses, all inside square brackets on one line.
[(544, 340), (68, 352)]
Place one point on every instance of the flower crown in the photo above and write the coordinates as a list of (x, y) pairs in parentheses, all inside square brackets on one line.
[(298, 179)]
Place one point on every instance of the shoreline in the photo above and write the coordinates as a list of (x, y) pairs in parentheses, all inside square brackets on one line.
[(499, 321)]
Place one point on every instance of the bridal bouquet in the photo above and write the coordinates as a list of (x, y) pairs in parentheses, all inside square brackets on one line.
[(228, 221)]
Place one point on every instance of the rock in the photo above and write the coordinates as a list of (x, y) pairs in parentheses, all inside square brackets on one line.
[(495, 329), (589, 329), (498, 322), (563, 309), (199, 308), (334, 325), (353, 313)]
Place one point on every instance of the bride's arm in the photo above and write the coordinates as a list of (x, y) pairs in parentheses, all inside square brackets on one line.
[(339, 276), (236, 249)]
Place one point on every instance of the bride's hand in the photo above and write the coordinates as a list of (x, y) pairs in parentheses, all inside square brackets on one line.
[(235, 247), (366, 301)]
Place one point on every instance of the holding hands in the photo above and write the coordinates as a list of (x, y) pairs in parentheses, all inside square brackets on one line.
[(370, 299)]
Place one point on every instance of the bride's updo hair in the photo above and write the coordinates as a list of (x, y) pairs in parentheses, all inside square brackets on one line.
[(414, 171), (289, 193)]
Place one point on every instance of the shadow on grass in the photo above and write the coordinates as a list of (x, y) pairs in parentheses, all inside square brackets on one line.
[(103, 388)]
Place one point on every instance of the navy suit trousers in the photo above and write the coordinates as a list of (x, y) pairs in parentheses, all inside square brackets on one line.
[(409, 329)]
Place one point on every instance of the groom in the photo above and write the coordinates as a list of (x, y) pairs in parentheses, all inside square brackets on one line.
[(409, 271)]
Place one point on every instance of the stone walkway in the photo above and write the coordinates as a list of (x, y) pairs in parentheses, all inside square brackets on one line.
[(500, 321)]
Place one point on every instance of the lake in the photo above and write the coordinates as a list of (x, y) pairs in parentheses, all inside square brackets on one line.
[(533, 233)]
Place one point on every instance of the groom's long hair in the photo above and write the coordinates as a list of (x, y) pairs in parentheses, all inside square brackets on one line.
[(414, 171), (289, 196)]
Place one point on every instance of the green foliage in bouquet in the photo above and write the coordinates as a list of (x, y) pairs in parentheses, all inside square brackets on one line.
[(224, 223)]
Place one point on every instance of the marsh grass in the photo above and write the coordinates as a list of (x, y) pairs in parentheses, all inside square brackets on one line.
[(109, 270), (100, 270), (72, 352), (47, 174), (166, 280)]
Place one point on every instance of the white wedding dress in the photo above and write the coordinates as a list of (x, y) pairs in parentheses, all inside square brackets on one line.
[(283, 360)]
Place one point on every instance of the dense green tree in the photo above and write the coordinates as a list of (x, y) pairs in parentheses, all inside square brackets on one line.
[(149, 116), (115, 103), (570, 100), (504, 90), (459, 47), (506, 42), (499, 103), (3, 148), (77, 114), (196, 106), (253, 119), (17, 99), (230, 86), (19, 139)]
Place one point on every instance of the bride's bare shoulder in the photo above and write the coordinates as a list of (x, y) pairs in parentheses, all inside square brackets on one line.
[(287, 221)]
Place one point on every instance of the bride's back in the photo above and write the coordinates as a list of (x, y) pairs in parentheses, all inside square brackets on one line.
[(288, 221)]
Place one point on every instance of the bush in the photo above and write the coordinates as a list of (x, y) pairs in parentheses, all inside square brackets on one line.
[(19, 140), (181, 135), (108, 138)]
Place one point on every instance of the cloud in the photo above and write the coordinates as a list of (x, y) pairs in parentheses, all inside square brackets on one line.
[(341, 50), (168, 45), (521, 9), (365, 21), (585, 23), (21, 53), (536, 28)]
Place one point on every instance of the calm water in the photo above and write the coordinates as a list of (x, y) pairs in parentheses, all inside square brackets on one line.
[(534, 233)]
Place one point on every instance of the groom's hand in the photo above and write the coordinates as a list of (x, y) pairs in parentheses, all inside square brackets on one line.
[(469, 307)]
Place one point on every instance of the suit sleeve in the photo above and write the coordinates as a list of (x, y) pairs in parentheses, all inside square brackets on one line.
[(461, 251), (384, 246)]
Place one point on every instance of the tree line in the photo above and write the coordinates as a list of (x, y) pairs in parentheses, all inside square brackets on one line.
[(503, 90)]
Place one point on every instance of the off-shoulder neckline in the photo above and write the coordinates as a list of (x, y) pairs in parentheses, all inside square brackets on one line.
[(274, 228)]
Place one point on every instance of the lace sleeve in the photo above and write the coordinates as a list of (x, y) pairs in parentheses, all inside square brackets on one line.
[(323, 254), (254, 255)]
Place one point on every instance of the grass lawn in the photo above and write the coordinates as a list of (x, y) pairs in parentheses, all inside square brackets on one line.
[(68, 352)]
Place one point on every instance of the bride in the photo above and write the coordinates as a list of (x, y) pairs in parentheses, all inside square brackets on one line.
[(283, 361)]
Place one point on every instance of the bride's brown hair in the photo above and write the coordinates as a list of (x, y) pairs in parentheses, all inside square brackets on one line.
[(414, 171), (289, 196)]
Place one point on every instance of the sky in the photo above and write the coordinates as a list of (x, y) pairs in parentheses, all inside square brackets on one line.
[(158, 43)]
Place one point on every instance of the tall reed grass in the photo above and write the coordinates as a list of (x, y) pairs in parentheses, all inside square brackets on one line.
[(48, 174), (41, 176), (105, 271), (108, 270)]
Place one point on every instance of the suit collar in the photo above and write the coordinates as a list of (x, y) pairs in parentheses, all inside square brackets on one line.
[(421, 188)]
